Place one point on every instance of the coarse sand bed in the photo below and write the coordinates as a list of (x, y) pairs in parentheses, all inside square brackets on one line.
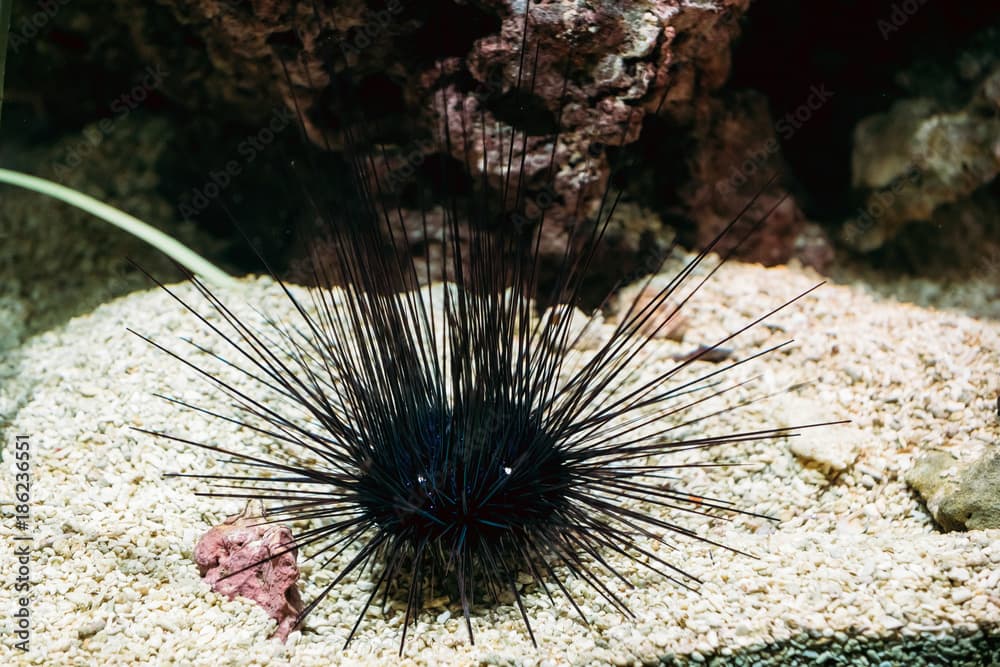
[(853, 553)]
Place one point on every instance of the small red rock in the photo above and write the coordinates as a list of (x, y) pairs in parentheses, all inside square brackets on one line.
[(664, 320), (244, 544)]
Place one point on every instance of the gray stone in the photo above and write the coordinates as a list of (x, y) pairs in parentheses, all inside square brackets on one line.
[(929, 151), (959, 497)]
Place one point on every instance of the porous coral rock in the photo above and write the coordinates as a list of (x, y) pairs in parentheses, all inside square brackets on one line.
[(241, 557)]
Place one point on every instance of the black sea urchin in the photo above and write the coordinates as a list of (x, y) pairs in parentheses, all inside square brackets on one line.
[(449, 436)]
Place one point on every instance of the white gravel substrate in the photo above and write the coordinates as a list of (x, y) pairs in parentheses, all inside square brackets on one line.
[(853, 557)]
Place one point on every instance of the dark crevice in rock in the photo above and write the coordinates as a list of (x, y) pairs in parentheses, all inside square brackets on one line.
[(870, 56)]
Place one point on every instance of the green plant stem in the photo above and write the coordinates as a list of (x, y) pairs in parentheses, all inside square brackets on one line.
[(166, 244)]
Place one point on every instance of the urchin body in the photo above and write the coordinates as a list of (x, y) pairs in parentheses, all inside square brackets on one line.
[(456, 476)]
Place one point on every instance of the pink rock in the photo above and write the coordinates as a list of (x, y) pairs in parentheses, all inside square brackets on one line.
[(665, 320), (737, 153), (248, 556)]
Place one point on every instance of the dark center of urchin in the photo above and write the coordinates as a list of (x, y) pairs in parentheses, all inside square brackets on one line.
[(475, 478)]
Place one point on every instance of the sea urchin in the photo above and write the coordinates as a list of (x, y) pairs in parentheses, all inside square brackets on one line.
[(448, 435)]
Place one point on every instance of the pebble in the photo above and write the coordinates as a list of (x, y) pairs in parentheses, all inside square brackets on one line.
[(90, 628)]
